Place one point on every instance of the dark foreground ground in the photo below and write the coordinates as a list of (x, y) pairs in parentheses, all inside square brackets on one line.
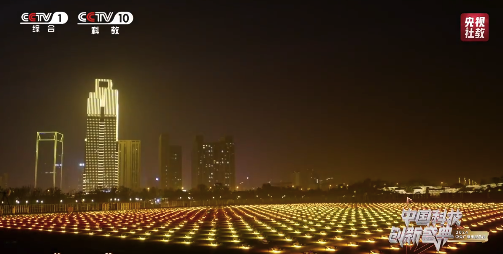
[(33, 242)]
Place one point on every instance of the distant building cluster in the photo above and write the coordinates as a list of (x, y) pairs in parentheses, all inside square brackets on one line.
[(308, 180), (112, 163), (437, 190), (432, 190)]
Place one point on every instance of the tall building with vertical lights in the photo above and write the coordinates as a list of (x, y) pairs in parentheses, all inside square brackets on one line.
[(170, 164), (101, 170), (213, 163), (49, 160), (130, 164), (80, 174)]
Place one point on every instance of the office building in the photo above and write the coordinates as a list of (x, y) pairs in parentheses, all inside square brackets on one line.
[(175, 164), (4, 181), (170, 164), (213, 163), (296, 180), (101, 170), (49, 160), (130, 164), (80, 176), (312, 180)]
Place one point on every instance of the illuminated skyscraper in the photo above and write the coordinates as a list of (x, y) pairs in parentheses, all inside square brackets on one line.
[(101, 170), (213, 163), (49, 160), (130, 164), (170, 164)]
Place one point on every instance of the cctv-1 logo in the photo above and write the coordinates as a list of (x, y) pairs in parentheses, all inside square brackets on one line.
[(105, 18), (55, 18)]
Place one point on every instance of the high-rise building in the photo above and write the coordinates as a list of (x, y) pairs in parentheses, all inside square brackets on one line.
[(4, 180), (101, 170), (296, 180), (313, 180), (170, 164), (175, 164), (80, 176), (49, 160), (130, 164), (213, 163)]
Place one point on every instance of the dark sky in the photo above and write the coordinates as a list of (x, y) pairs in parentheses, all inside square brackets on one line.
[(351, 90)]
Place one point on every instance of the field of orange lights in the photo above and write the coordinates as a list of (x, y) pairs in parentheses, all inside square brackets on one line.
[(295, 228)]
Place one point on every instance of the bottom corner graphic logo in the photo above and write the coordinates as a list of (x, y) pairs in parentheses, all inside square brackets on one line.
[(438, 229)]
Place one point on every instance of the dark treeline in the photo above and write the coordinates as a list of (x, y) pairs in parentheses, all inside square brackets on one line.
[(364, 191)]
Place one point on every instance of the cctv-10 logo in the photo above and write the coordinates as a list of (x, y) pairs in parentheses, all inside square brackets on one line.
[(105, 18)]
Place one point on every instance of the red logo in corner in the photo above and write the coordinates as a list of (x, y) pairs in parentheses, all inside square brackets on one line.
[(474, 27)]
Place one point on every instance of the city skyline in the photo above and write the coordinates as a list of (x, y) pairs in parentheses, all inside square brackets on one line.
[(349, 95)]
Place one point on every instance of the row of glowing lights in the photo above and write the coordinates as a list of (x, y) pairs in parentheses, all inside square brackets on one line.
[(469, 218), (76, 201), (156, 222)]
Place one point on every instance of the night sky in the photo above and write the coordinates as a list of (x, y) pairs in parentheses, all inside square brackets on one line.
[(352, 91)]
